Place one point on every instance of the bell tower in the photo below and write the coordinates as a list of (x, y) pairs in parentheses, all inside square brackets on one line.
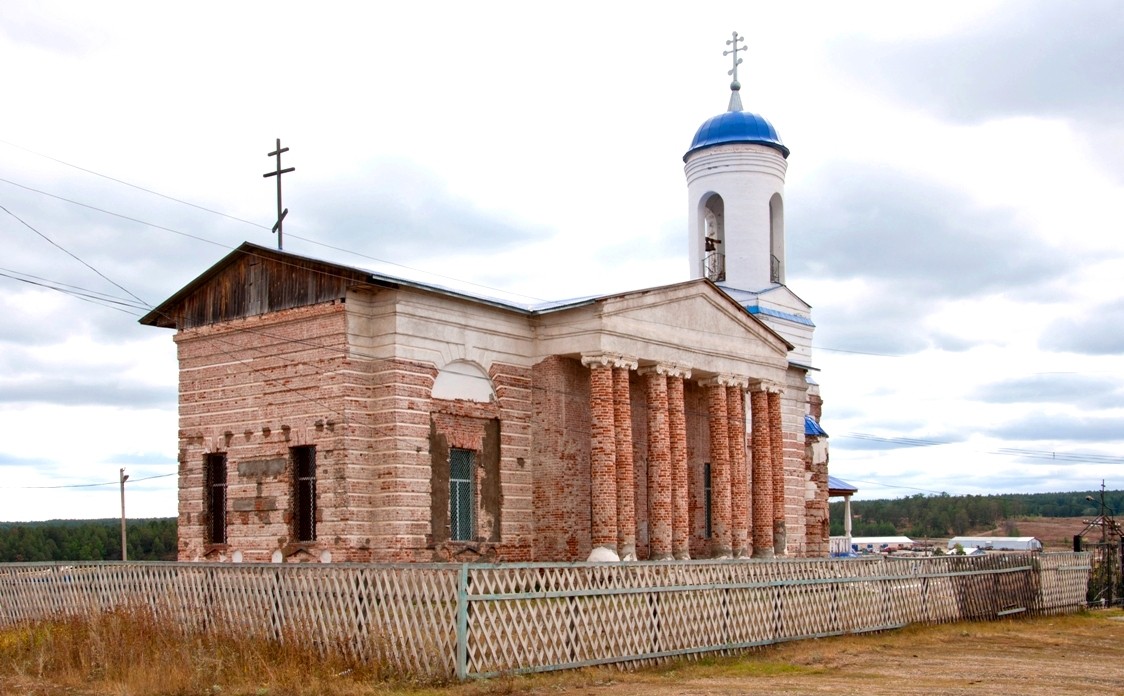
[(735, 171)]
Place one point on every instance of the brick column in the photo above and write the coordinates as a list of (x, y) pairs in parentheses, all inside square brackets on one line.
[(762, 493), (602, 465), (659, 464), (776, 442), (739, 484), (680, 504), (718, 420), (626, 485)]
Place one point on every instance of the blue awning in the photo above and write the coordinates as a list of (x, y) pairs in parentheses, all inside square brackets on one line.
[(811, 427), (839, 486)]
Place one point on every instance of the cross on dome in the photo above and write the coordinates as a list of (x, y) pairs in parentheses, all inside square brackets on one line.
[(735, 97)]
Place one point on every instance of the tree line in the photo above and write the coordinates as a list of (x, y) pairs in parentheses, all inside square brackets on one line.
[(921, 516), (87, 540), (952, 515)]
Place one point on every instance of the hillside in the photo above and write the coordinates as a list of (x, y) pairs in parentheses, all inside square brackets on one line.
[(943, 516)]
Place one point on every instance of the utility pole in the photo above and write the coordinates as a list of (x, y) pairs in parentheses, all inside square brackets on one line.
[(1104, 518), (277, 172), (124, 540)]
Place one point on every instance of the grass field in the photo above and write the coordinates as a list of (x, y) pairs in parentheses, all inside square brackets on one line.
[(1077, 654)]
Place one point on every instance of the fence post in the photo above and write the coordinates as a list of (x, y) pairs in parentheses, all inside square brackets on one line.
[(462, 622)]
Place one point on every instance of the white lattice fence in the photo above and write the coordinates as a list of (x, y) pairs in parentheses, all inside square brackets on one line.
[(404, 615), (528, 617), (480, 619), (1061, 578)]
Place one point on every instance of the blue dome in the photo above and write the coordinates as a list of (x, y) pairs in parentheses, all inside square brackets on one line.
[(736, 127)]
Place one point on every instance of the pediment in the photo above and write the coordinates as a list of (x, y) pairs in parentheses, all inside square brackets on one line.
[(694, 315), (693, 325)]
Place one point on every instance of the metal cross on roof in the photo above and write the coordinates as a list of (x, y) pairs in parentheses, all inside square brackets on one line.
[(277, 173), (735, 98), (737, 61)]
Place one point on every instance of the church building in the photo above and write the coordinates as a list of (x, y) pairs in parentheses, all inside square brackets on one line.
[(330, 414)]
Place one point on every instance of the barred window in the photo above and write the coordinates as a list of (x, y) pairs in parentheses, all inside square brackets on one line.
[(304, 492), (707, 500), (462, 498), (214, 483)]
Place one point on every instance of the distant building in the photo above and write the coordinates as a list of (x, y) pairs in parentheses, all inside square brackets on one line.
[(880, 543), (997, 543)]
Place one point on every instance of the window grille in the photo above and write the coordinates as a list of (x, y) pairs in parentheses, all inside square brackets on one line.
[(714, 266), (214, 474), (304, 492), (462, 499), (707, 499), (774, 269)]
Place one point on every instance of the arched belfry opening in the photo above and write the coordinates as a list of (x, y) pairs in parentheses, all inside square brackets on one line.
[(714, 238), (776, 238)]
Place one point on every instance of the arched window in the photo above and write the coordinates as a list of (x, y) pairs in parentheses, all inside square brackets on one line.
[(714, 238), (461, 379), (776, 238)]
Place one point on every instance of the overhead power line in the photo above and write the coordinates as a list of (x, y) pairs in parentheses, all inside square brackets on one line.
[(72, 255), (85, 485), (139, 188)]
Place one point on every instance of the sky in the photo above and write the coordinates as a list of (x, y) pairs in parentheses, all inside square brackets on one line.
[(955, 198)]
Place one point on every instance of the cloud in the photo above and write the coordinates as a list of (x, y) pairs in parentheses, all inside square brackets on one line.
[(918, 237), (911, 245), (1043, 427), (1037, 59), (25, 24), (396, 210), (1029, 58), (86, 392), (1094, 333), (1083, 390)]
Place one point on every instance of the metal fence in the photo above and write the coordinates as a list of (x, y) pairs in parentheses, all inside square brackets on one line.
[(444, 620)]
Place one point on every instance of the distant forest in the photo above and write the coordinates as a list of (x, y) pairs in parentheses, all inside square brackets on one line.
[(87, 540), (938, 516), (919, 516)]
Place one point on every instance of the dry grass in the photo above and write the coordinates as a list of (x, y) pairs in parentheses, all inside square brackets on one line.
[(130, 652), (127, 654)]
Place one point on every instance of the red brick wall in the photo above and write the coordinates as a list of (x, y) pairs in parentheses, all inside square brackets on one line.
[(252, 389), (698, 453), (560, 452)]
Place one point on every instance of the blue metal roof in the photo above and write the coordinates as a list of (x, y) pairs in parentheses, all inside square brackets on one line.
[(811, 427), (736, 127), (834, 484), (794, 318)]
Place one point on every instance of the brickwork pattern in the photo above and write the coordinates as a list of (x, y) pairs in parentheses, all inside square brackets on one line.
[(720, 468), (762, 463), (626, 476), (252, 390), (680, 497), (560, 427), (603, 459), (816, 524), (697, 425), (659, 466), (776, 442), (256, 387), (739, 485)]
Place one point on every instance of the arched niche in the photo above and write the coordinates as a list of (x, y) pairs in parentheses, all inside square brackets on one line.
[(463, 380), (776, 238)]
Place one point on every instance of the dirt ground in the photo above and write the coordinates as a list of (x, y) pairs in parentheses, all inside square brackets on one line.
[(1048, 656), (1055, 533), (1077, 654)]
